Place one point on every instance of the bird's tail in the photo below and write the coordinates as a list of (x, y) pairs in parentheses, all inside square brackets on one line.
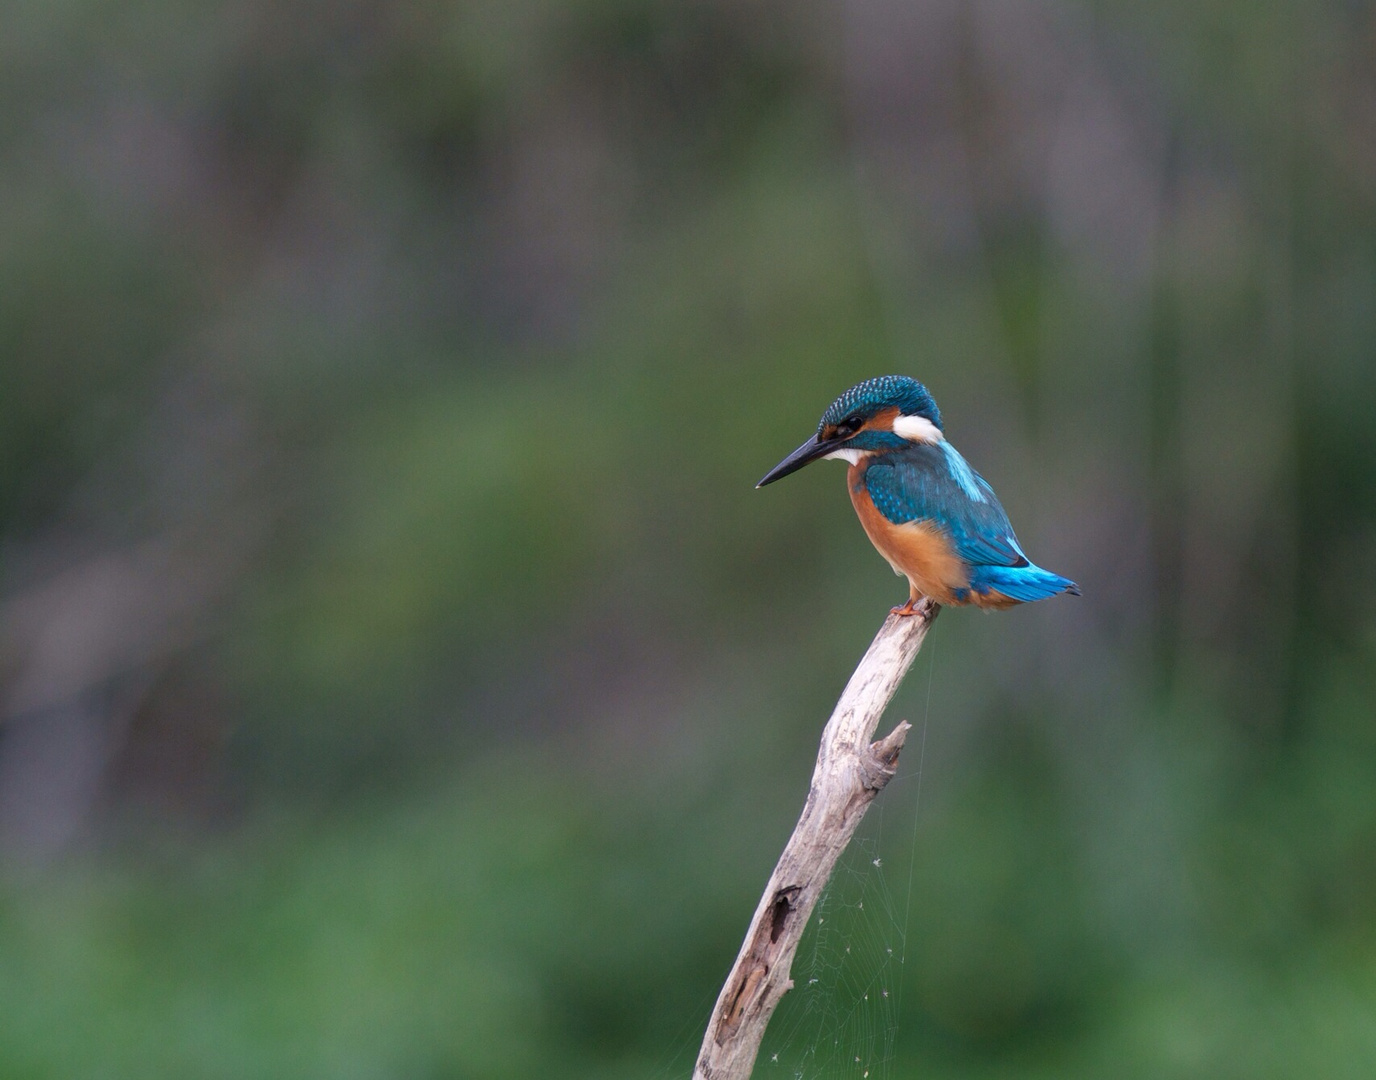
[(1023, 583)]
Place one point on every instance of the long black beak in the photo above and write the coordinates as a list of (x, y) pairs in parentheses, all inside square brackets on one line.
[(810, 451)]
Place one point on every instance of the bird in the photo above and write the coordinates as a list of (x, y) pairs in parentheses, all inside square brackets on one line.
[(936, 520)]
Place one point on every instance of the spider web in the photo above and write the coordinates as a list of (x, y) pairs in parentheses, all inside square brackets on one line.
[(841, 1018)]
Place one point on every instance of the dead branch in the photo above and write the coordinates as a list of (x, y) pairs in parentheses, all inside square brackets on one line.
[(850, 772)]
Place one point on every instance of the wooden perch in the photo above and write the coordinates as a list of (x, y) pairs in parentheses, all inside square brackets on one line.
[(850, 772)]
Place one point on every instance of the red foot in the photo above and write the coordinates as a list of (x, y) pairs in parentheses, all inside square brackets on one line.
[(910, 608)]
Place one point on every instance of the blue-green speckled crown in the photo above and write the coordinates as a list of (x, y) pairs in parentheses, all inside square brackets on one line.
[(883, 392)]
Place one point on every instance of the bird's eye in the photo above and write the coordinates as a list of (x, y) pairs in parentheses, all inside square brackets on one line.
[(851, 424)]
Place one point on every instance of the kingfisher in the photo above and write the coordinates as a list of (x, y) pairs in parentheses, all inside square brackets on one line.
[(936, 520)]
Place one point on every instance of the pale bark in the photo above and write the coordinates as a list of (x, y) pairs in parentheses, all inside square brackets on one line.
[(850, 772)]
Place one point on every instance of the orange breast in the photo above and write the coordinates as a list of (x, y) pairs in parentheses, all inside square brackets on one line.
[(919, 550)]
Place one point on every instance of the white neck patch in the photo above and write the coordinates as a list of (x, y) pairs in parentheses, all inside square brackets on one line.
[(917, 429), (851, 455)]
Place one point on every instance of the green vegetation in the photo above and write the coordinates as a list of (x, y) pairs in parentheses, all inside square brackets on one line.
[(420, 359)]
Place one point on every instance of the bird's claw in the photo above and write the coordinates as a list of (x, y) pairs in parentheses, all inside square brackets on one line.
[(910, 608)]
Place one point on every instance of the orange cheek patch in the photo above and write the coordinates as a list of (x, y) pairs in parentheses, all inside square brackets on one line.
[(881, 421)]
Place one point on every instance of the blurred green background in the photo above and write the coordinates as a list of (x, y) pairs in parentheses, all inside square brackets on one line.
[(400, 676)]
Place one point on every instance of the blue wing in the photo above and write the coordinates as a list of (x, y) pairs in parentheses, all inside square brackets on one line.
[(926, 482), (932, 482)]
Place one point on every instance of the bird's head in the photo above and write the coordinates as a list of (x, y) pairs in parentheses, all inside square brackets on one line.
[(874, 416)]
